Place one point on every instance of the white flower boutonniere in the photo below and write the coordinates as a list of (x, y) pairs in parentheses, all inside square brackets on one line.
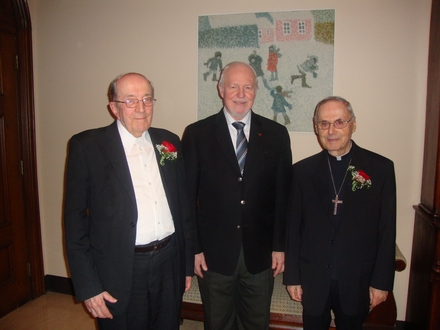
[(167, 151), (359, 178)]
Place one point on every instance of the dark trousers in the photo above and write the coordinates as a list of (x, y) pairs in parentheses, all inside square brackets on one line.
[(342, 321), (237, 302), (155, 300)]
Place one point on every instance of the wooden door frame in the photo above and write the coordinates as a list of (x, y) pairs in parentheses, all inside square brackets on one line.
[(423, 301), (28, 147)]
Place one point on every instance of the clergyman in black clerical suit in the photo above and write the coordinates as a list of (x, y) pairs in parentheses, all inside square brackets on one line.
[(341, 228)]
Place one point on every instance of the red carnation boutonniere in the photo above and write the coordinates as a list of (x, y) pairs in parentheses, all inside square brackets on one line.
[(359, 179), (167, 151)]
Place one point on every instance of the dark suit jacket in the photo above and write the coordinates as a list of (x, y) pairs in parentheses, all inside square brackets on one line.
[(234, 210), (100, 213), (364, 238)]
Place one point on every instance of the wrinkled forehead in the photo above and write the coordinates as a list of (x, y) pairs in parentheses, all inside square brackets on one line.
[(133, 84), (333, 110), (239, 73)]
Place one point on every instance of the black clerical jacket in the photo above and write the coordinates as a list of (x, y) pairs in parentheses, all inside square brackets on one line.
[(363, 239)]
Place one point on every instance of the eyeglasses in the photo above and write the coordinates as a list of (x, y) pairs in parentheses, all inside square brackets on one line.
[(337, 124), (132, 103)]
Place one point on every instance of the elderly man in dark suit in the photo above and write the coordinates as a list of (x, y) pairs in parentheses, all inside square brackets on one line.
[(128, 226), (238, 169), (342, 225)]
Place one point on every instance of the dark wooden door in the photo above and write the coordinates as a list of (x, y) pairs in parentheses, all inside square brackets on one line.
[(423, 306), (15, 288)]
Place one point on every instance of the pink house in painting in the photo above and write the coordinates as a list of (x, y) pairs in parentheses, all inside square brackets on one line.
[(295, 26), (275, 27), (266, 35)]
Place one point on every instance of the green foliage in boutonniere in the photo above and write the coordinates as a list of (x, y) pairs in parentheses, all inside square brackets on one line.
[(359, 179), (167, 151)]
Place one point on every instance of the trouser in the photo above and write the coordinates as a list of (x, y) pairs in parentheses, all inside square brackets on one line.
[(155, 300), (342, 321), (237, 302)]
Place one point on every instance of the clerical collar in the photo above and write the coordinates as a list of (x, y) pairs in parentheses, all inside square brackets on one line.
[(341, 157)]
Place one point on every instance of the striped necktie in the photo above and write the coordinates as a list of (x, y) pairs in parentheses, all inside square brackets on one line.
[(241, 146)]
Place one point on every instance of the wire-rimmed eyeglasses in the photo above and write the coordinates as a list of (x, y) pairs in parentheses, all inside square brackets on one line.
[(132, 103), (337, 124)]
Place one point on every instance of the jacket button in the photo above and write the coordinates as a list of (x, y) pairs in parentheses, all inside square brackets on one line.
[(238, 226), (243, 202), (132, 224), (240, 179)]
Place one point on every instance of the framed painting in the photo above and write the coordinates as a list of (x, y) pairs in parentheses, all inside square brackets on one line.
[(292, 54)]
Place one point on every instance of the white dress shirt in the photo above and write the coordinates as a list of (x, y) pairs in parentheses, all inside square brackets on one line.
[(155, 221)]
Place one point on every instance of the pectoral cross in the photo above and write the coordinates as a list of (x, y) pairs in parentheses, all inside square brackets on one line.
[(336, 201)]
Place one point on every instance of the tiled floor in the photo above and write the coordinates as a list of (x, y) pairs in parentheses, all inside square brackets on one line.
[(56, 311)]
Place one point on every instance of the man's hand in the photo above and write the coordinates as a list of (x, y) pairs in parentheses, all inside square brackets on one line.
[(277, 263), (97, 307), (200, 264), (377, 297), (188, 283), (295, 292)]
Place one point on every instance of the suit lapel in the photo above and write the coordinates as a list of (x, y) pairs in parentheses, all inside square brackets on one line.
[(353, 198), (156, 139), (112, 145), (223, 137), (320, 182), (257, 138)]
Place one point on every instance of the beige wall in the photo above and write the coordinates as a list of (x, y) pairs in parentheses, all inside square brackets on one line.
[(381, 50)]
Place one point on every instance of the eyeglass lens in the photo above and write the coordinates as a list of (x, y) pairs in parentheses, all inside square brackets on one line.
[(131, 103), (336, 124)]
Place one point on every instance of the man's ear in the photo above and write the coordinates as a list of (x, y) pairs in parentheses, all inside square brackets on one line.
[(354, 126), (114, 109), (220, 91)]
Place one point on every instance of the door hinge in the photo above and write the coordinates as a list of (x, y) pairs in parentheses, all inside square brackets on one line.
[(28, 269), (16, 62), (21, 167)]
